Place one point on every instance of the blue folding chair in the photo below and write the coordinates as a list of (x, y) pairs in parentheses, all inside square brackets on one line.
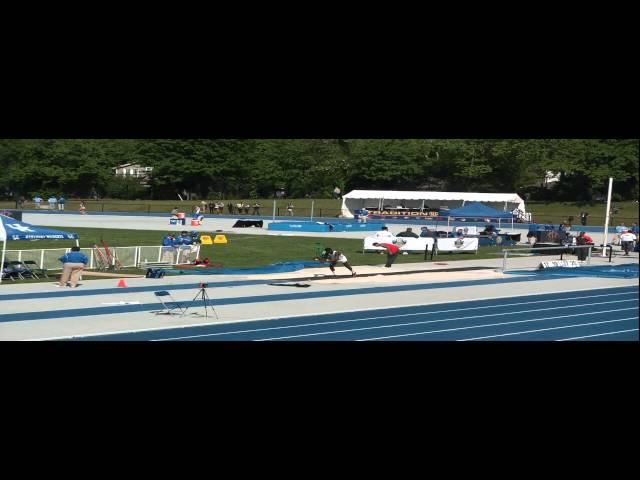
[(169, 304)]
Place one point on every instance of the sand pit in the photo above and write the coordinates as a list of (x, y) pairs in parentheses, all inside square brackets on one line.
[(379, 275), (408, 277)]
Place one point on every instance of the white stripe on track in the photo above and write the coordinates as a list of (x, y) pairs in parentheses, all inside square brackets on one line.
[(437, 321), (493, 314), (279, 317), (596, 335), (550, 328)]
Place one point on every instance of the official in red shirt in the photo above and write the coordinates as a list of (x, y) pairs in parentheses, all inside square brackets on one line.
[(392, 252), (587, 238)]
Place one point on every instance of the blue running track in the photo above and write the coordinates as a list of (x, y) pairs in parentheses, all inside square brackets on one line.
[(600, 314)]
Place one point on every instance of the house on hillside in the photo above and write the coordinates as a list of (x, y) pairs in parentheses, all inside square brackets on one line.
[(133, 170), (551, 179)]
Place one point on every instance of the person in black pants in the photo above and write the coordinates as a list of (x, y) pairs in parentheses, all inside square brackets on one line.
[(583, 218)]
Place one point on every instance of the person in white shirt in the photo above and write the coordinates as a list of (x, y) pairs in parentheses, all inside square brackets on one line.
[(384, 234), (626, 239)]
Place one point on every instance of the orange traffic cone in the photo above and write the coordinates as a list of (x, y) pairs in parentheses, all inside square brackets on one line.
[(122, 284)]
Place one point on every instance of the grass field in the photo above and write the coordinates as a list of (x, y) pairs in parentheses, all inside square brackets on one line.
[(244, 251), (542, 212)]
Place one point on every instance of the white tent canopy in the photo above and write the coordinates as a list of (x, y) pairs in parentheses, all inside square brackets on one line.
[(379, 199)]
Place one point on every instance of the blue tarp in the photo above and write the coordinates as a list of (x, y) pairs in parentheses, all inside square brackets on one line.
[(477, 210), (282, 267), (17, 230)]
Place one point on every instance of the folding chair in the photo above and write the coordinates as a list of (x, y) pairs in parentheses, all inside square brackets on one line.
[(169, 303), (8, 272), (32, 266), (12, 271), (22, 270)]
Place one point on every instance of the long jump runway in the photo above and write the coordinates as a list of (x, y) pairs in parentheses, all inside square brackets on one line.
[(598, 314)]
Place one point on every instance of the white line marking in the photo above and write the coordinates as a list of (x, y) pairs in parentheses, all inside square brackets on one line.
[(596, 335), (437, 321), (279, 317), (389, 316), (550, 328)]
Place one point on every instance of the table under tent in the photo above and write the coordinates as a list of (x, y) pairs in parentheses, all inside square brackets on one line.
[(424, 204), (478, 212), (12, 229)]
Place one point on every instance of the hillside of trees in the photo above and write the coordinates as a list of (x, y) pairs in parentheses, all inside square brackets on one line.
[(257, 168)]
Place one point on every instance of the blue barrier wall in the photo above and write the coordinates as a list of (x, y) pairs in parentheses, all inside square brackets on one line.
[(323, 227)]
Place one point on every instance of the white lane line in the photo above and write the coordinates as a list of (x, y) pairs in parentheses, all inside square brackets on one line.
[(498, 324), (304, 315), (596, 335), (302, 325), (437, 321), (550, 328)]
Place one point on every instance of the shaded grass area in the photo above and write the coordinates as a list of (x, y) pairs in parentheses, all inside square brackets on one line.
[(246, 251), (556, 212)]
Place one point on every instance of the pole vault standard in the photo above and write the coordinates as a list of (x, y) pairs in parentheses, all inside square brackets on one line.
[(606, 218)]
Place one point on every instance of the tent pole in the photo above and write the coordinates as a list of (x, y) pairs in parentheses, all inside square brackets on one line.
[(4, 249), (77, 242), (312, 202)]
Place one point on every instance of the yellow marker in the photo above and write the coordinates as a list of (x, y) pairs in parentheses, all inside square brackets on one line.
[(205, 240), (220, 239)]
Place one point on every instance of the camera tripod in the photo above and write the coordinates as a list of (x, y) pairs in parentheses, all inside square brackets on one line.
[(204, 296)]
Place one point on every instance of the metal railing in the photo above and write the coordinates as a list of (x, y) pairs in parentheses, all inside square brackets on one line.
[(564, 249), (125, 257)]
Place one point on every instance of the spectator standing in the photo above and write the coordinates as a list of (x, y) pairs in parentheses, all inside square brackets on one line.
[(583, 218), (212, 208), (634, 229), (583, 239), (230, 208), (83, 208), (36, 201), (61, 202), (53, 201), (392, 252), (290, 208), (364, 213), (337, 193), (169, 244), (626, 240), (73, 264), (256, 208), (620, 229)]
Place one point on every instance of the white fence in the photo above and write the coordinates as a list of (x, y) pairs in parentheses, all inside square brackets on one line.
[(128, 257)]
